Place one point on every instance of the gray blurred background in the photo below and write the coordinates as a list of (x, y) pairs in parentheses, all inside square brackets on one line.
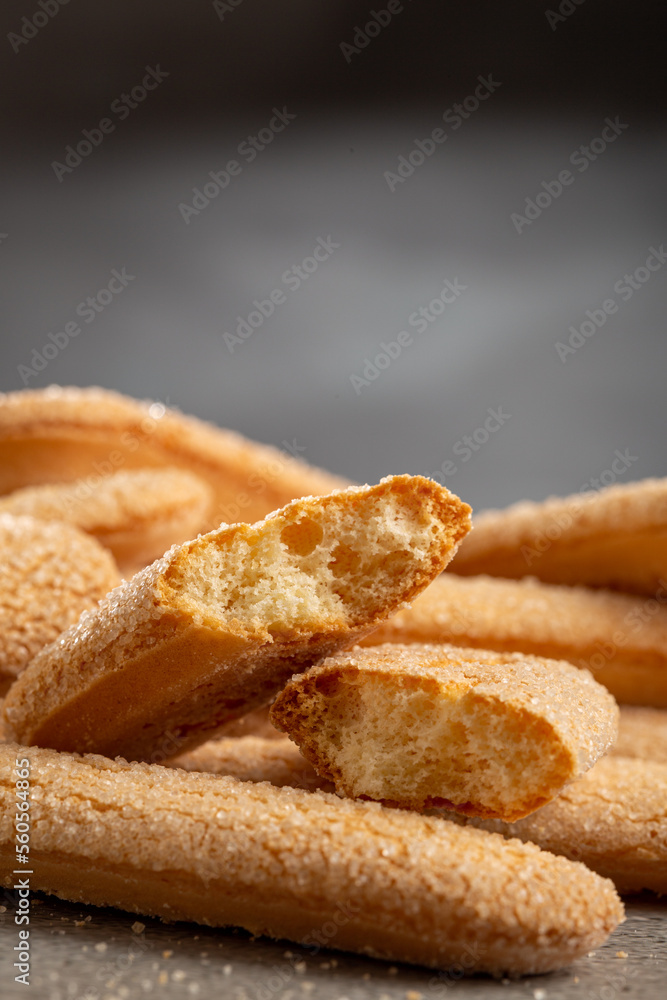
[(480, 395)]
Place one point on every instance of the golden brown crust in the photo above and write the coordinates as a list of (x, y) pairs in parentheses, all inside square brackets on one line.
[(137, 514), (285, 862), (253, 758), (217, 626), (49, 574), (614, 820), (642, 733), (614, 538), (60, 434), (622, 639), (483, 733)]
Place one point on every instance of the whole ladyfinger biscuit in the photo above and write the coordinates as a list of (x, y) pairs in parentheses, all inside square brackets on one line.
[(614, 538), (136, 514), (216, 627), (642, 733), (622, 639), (49, 574), (61, 434), (286, 862), (486, 734), (253, 758), (614, 820)]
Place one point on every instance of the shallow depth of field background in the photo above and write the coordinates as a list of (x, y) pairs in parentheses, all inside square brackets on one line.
[(481, 395)]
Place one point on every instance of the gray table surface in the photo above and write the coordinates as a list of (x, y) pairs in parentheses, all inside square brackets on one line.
[(87, 953)]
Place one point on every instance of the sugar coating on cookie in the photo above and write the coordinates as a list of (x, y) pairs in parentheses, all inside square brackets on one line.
[(614, 820), (616, 537), (60, 434), (216, 627), (285, 862), (487, 734), (49, 574), (621, 638), (138, 514)]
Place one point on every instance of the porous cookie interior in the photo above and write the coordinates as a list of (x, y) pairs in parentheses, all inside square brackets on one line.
[(409, 741), (333, 565)]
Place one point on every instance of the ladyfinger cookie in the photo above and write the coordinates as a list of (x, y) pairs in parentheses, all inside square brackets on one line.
[(49, 574), (137, 514), (614, 820), (253, 758), (642, 733), (61, 434), (614, 538), (215, 628), (285, 862), (486, 734), (622, 639)]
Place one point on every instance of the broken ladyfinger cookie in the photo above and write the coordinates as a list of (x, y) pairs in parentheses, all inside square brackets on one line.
[(486, 734), (216, 627)]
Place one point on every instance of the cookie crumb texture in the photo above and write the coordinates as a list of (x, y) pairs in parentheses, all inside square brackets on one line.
[(487, 734), (284, 862), (49, 574), (216, 627)]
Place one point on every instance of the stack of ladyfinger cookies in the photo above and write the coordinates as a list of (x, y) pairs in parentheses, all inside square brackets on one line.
[(238, 691)]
